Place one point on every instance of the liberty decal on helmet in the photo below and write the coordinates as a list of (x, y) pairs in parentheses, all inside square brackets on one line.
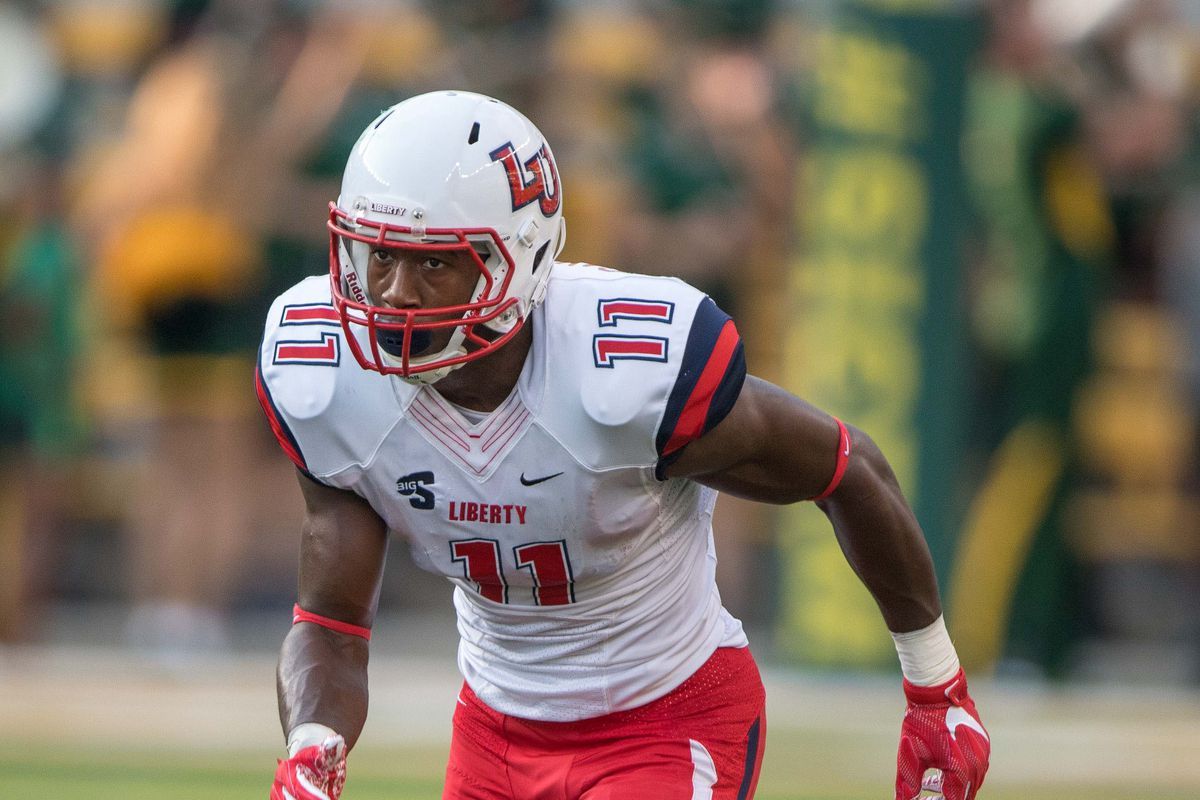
[(527, 181)]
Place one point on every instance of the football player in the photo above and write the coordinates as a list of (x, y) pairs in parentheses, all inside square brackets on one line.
[(551, 438)]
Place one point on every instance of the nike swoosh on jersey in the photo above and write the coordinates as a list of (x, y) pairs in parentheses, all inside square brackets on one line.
[(535, 481)]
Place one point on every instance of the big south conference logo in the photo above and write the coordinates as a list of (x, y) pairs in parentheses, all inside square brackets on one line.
[(413, 487), (527, 181)]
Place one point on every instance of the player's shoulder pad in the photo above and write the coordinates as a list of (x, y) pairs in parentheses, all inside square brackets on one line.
[(321, 405), (639, 365)]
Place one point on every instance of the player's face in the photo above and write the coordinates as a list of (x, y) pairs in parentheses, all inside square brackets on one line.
[(418, 279)]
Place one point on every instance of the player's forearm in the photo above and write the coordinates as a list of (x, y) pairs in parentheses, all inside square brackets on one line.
[(322, 678), (883, 541)]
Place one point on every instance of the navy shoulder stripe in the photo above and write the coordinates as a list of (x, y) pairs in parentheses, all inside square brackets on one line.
[(709, 381)]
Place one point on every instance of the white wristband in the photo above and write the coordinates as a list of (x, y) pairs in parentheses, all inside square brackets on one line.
[(306, 734), (927, 656)]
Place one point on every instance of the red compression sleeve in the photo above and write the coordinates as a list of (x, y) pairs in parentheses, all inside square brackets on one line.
[(843, 458), (300, 615)]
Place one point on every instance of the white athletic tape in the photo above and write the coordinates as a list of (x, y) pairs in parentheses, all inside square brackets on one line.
[(927, 656), (306, 734)]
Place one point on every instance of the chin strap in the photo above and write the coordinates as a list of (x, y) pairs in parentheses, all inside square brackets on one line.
[(430, 376)]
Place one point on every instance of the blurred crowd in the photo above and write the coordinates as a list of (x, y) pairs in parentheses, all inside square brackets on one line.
[(1082, 150), (165, 167)]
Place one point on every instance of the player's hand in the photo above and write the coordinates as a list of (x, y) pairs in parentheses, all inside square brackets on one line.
[(317, 772), (941, 731)]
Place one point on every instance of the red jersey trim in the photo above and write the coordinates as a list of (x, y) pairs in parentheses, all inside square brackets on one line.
[(695, 411), (278, 427)]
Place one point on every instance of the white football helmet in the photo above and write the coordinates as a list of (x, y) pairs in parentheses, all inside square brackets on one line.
[(445, 170)]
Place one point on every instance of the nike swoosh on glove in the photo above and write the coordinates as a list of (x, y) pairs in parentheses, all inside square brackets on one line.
[(942, 730), (317, 772)]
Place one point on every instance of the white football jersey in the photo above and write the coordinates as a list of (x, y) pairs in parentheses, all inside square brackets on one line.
[(584, 583)]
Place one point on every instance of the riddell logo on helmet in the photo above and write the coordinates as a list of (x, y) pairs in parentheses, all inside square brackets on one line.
[(355, 289), (528, 181)]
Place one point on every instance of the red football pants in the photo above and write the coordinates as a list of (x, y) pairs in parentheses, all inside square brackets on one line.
[(703, 740)]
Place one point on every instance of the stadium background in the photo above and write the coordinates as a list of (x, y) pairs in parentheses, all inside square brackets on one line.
[(968, 227)]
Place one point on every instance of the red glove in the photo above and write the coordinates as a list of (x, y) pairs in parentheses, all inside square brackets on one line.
[(941, 730), (317, 772)]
